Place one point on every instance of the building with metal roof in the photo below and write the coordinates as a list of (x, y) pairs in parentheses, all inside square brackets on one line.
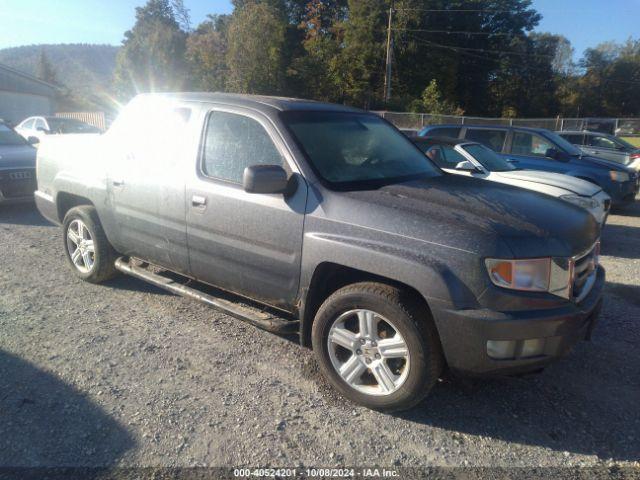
[(23, 95)]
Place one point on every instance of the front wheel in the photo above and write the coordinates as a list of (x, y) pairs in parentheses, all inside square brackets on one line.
[(376, 346), (89, 252)]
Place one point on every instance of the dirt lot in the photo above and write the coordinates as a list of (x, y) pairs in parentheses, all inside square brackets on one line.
[(125, 374)]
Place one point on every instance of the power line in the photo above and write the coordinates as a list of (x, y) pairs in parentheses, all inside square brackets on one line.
[(483, 50), (459, 32), (463, 51)]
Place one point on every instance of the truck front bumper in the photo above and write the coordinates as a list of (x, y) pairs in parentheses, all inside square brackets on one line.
[(47, 207), (624, 193), (485, 342)]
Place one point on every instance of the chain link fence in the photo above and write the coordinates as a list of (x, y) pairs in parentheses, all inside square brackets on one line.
[(617, 126)]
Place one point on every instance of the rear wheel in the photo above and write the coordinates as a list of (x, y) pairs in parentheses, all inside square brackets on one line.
[(86, 246), (376, 346)]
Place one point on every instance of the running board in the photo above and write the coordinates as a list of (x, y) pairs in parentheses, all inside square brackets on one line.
[(254, 316)]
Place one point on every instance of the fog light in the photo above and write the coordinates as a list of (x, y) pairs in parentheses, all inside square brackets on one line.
[(501, 349), (533, 347)]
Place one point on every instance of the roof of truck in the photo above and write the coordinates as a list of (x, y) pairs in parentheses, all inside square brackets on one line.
[(258, 102)]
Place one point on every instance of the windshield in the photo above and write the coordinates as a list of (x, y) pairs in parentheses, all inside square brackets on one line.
[(68, 125), (9, 137), (563, 144), (347, 149), (488, 158)]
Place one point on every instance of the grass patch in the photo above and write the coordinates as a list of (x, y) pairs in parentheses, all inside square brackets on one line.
[(633, 140)]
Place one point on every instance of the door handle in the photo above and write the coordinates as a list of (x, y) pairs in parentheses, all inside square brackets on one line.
[(198, 201)]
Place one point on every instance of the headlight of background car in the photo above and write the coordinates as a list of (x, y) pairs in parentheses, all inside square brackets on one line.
[(553, 275), (617, 176), (583, 202)]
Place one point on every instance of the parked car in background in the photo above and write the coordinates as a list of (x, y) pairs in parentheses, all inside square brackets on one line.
[(603, 145), (389, 268), (41, 126), (17, 167), (462, 157), (540, 149)]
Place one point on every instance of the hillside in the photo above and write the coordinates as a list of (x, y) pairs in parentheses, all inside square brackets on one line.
[(84, 68)]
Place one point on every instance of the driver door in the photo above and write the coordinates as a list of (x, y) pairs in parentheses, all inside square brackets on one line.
[(246, 243)]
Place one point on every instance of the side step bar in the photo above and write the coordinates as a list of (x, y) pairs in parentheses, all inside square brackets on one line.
[(250, 315)]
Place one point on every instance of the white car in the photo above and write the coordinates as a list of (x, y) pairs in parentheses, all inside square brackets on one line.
[(40, 126), (462, 157)]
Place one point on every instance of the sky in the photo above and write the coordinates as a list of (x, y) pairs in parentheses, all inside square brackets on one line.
[(585, 23)]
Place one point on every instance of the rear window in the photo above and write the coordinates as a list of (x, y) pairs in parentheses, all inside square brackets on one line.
[(572, 138), (494, 139), (451, 132)]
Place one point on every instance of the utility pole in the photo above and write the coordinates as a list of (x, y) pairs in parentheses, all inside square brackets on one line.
[(387, 77)]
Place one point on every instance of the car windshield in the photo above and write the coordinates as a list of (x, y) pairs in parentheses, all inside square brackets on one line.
[(489, 159), (68, 125), (622, 143), (352, 150), (9, 137), (563, 144)]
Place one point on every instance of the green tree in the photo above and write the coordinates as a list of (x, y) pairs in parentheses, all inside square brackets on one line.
[(432, 102), (256, 44), (361, 62), (315, 67), (152, 57), (206, 54)]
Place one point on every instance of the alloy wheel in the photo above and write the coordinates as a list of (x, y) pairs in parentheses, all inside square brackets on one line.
[(80, 246), (368, 352)]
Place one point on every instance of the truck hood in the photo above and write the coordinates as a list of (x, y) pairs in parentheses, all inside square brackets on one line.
[(473, 215), (566, 182), (17, 156)]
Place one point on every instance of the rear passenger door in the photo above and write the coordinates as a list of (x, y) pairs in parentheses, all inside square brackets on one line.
[(247, 243), (489, 137), (603, 147), (148, 147)]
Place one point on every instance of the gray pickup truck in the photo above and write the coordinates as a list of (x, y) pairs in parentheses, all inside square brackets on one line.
[(326, 221)]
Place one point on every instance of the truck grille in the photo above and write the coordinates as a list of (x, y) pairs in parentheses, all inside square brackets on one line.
[(584, 271), (18, 183)]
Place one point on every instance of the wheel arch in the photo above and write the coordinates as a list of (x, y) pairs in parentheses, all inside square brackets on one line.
[(328, 277), (66, 201)]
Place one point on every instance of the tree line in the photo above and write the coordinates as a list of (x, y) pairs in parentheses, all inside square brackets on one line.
[(477, 57)]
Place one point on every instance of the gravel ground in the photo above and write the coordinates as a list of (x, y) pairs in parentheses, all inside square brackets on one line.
[(124, 374)]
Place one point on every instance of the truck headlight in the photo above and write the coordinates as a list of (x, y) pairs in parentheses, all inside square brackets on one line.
[(553, 275), (618, 176), (588, 203)]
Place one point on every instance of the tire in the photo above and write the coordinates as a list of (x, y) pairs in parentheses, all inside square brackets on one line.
[(94, 262), (340, 341)]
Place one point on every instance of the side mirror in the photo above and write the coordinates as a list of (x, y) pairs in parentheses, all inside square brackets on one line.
[(265, 179), (556, 154), (33, 140), (466, 166)]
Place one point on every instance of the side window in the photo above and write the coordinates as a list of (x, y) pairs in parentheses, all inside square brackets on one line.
[(451, 132), (602, 142), (444, 156), (234, 142), (494, 139), (39, 124), (530, 144), (150, 133), (29, 124), (571, 138)]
